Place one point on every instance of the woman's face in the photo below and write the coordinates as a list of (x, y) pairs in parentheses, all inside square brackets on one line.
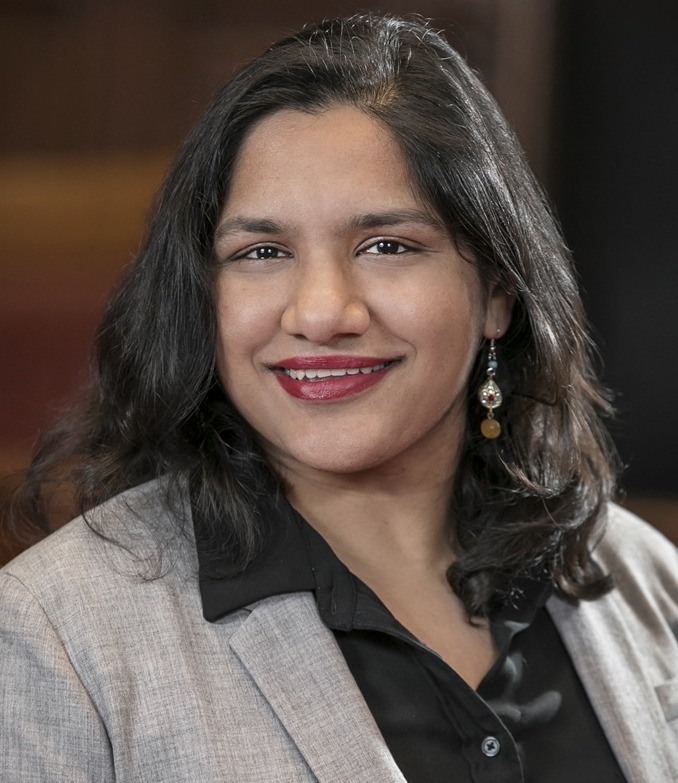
[(348, 320)]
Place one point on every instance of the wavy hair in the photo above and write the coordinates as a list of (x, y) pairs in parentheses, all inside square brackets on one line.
[(524, 505)]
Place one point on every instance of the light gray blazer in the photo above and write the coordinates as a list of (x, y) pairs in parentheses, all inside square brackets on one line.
[(105, 676)]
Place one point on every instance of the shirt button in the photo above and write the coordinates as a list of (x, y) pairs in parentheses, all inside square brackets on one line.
[(490, 746)]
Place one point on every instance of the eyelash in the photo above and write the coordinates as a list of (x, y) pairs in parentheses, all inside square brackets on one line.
[(385, 241), (245, 254)]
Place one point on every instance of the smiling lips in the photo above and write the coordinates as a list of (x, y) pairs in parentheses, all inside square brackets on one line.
[(328, 378)]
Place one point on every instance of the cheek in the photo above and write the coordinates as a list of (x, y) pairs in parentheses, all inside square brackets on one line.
[(443, 318), (245, 318), (240, 328)]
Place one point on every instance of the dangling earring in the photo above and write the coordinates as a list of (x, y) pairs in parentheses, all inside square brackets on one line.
[(490, 396)]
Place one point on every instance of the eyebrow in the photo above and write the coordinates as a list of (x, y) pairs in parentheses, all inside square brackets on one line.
[(393, 218), (237, 225), (245, 225)]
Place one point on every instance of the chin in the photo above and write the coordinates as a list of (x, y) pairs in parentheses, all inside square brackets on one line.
[(351, 459)]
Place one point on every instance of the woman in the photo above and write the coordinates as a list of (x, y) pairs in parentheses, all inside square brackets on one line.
[(344, 478)]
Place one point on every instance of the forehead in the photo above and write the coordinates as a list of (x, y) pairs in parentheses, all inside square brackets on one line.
[(321, 158), (294, 129)]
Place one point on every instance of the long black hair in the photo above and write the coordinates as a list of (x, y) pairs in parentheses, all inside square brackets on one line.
[(525, 504)]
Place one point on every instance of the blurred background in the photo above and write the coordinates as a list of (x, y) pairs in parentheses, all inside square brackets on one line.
[(97, 95)]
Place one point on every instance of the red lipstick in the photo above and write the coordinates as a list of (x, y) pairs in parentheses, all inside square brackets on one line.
[(329, 378)]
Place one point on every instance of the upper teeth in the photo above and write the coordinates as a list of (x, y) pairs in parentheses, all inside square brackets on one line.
[(311, 375)]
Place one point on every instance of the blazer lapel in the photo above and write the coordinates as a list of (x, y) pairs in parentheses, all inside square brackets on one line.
[(298, 667), (605, 654)]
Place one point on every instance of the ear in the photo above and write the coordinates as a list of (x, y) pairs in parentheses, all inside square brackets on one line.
[(498, 313)]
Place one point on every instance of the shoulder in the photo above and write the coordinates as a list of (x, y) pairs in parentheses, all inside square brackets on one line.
[(629, 544), (643, 564), (641, 611), (101, 556), (87, 607)]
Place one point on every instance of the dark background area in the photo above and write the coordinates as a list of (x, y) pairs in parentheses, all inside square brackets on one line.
[(97, 94), (615, 184)]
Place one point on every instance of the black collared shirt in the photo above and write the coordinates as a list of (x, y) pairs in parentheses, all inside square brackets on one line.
[(529, 721)]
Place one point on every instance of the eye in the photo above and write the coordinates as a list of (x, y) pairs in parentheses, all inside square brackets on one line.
[(262, 253), (386, 247)]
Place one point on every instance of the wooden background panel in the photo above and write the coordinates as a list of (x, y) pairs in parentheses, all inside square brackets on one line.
[(104, 75)]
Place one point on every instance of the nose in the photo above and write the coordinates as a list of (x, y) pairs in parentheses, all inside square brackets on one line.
[(326, 301)]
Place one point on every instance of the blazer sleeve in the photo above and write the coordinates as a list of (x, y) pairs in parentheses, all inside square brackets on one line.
[(50, 729)]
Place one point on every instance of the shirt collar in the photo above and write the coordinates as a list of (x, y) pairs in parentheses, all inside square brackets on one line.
[(298, 559), (283, 567)]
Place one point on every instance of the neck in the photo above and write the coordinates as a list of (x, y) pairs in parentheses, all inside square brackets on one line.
[(380, 521)]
